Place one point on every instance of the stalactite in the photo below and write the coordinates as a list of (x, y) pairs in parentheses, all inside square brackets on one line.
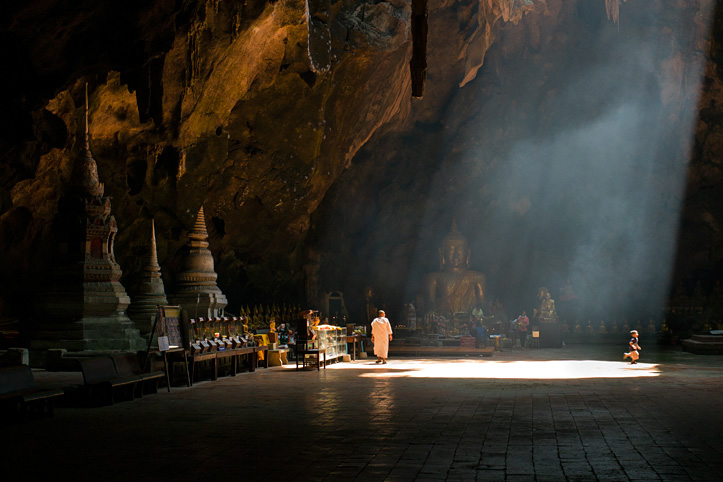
[(194, 52), (236, 24), (612, 7), (418, 64), (318, 19), (181, 166)]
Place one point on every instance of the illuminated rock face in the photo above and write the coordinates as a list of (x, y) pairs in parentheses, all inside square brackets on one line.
[(301, 136)]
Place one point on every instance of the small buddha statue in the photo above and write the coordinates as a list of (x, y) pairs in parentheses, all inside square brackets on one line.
[(578, 328), (651, 326), (603, 329), (639, 327), (454, 288), (272, 325), (590, 328), (245, 326)]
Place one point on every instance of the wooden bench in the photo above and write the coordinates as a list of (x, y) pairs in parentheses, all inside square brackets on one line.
[(230, 354), (249, 352), (202, 357), (102, 384), (128, 366), (20, 396)]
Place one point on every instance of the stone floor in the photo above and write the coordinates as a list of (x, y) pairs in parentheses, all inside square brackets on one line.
[(576, 414)]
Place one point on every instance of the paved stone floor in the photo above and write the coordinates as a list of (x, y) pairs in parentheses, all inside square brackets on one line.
[(576, 414)]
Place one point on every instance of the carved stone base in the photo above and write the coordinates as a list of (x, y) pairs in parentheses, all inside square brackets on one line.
[(95, 299), (143, 310), (89, 334), (200, 304)]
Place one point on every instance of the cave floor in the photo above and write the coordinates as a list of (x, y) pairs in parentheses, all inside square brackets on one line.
[(579, 413)]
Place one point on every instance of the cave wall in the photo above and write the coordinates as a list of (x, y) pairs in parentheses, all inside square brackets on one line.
[(301, 139), (491, 159)]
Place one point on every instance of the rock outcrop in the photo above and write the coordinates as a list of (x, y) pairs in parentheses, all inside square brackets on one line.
[(293, 123)]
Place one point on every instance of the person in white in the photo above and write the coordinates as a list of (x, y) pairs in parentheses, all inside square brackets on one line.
[(381, 336)]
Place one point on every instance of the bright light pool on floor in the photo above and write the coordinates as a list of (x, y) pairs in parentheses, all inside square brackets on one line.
[(536, 370)]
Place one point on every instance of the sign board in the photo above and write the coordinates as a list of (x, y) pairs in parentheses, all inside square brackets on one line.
[(171, 325)]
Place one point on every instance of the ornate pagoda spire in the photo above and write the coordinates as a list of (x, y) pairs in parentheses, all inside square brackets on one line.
[(85, 170), (153, 266), (85, 310), (196, 282), (151, 291), (199, 231)]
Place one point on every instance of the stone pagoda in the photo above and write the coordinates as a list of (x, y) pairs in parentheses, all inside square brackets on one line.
[(84, 310), (151, 292), (196, 288)]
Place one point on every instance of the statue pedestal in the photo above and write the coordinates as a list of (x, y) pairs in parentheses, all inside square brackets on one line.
[(551, 335)]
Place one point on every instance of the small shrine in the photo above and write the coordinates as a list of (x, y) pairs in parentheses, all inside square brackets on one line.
[(84, 310), (196, 288), (151, 291)]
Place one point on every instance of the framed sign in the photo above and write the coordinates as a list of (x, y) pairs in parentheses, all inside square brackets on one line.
[(171, 325)]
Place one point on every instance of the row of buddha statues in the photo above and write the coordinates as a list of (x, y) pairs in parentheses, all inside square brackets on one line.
[(260, 316), (698, 302), (623, 326)]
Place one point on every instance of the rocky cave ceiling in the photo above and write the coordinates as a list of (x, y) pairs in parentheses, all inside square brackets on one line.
[(314, 162)]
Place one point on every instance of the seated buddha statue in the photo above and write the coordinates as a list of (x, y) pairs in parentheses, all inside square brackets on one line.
[(546, 313), (454, 288)]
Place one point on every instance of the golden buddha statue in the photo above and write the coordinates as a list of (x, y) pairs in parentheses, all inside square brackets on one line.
[(455, 288), (546, 313)]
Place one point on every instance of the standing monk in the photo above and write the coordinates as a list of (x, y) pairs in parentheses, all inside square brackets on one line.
[(381, 336)]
